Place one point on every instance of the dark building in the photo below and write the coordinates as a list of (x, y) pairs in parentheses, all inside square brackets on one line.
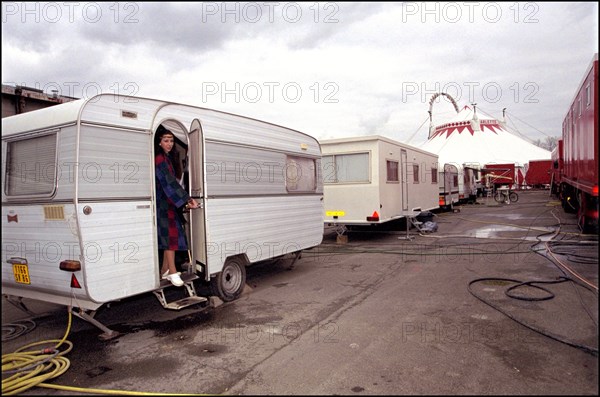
[(20, 99)]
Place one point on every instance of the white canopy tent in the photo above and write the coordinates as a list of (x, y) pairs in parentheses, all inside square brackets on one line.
[(475, 138)]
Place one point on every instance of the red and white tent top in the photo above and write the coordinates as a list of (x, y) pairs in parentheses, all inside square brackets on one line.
[(476, 138)]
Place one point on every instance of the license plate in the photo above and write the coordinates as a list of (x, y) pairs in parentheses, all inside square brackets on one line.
[(21, 273)]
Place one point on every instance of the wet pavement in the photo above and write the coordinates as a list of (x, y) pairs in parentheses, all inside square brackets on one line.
[(502, 299)]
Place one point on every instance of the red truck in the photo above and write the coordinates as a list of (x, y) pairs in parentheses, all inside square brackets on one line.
[(538, 173), (579, 181), (503, 174)]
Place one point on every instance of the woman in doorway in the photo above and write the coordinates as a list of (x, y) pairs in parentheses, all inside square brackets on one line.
[(170, 196)]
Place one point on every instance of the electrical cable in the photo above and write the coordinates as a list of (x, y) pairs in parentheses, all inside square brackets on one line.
[(579, 281), (588, 349), (532, 285), (14, 330)]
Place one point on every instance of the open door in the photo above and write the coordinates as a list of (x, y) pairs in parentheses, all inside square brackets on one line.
[(197, 189)]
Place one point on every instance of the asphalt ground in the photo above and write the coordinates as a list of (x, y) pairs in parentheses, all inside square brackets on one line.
[(501, 299)]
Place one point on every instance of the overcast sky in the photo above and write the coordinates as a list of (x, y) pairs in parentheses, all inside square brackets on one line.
[(329, 69)]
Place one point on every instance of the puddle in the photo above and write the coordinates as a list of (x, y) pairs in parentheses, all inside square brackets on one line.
[(496, 230), (510, 216)]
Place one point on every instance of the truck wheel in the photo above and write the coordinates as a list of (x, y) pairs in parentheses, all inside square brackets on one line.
[(230, 282)]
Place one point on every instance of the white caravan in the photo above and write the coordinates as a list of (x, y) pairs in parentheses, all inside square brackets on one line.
[(78, 201), (457, 184), (470, 177), (373, 179), (449, 186)]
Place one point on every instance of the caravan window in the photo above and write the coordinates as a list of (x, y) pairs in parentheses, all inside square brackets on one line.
[(415, 173), (31, 166), (392, 171), (434, 175), (300, 174), (345, 168)]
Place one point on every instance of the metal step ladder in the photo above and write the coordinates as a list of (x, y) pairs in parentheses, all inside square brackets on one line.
[(411, 219), (416, 223), (192, 297)]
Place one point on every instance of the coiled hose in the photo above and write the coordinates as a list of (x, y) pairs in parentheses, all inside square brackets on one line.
[(24, 369)]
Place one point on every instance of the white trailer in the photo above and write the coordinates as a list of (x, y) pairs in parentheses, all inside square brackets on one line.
[(457, 184), (374, 179), (78, 201), (470, 177), (449, 186)]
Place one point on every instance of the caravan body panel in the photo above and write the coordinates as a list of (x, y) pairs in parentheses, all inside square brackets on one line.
[(373, 179)]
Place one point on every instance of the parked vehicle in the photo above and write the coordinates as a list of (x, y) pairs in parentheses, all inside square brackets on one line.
[(579, 180), (449, 187), (78, 204), (511, 174), (372, 179), (458, 184), (470, 177), (539, 174)]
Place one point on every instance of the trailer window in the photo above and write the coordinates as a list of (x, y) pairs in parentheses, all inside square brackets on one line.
[(300, 174), (434, 175), (588, 96), (345, 168), (415, 173), (31, 166), (392, 171)]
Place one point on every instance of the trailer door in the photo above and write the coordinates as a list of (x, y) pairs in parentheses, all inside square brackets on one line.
[(404, 182), (198, 216)]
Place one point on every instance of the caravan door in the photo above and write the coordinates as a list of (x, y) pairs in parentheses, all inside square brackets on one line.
[(404, 171), (198, 216)]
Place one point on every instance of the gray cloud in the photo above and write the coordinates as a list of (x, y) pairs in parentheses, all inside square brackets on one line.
[(386, 58)]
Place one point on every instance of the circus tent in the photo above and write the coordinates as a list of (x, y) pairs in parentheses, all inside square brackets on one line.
[(474, 137)]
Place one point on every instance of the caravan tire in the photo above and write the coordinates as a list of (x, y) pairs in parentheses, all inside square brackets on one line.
[(230, 282)]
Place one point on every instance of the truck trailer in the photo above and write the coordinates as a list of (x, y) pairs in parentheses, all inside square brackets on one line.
[(538, 174), (579, 181)]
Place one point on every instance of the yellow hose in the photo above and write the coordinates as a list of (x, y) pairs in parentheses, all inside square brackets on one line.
[(22, 370)]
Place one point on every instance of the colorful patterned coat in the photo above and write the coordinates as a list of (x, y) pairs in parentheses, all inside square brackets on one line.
[(169, 196)]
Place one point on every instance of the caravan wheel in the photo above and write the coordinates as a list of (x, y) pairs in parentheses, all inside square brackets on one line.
[(230, 282)]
